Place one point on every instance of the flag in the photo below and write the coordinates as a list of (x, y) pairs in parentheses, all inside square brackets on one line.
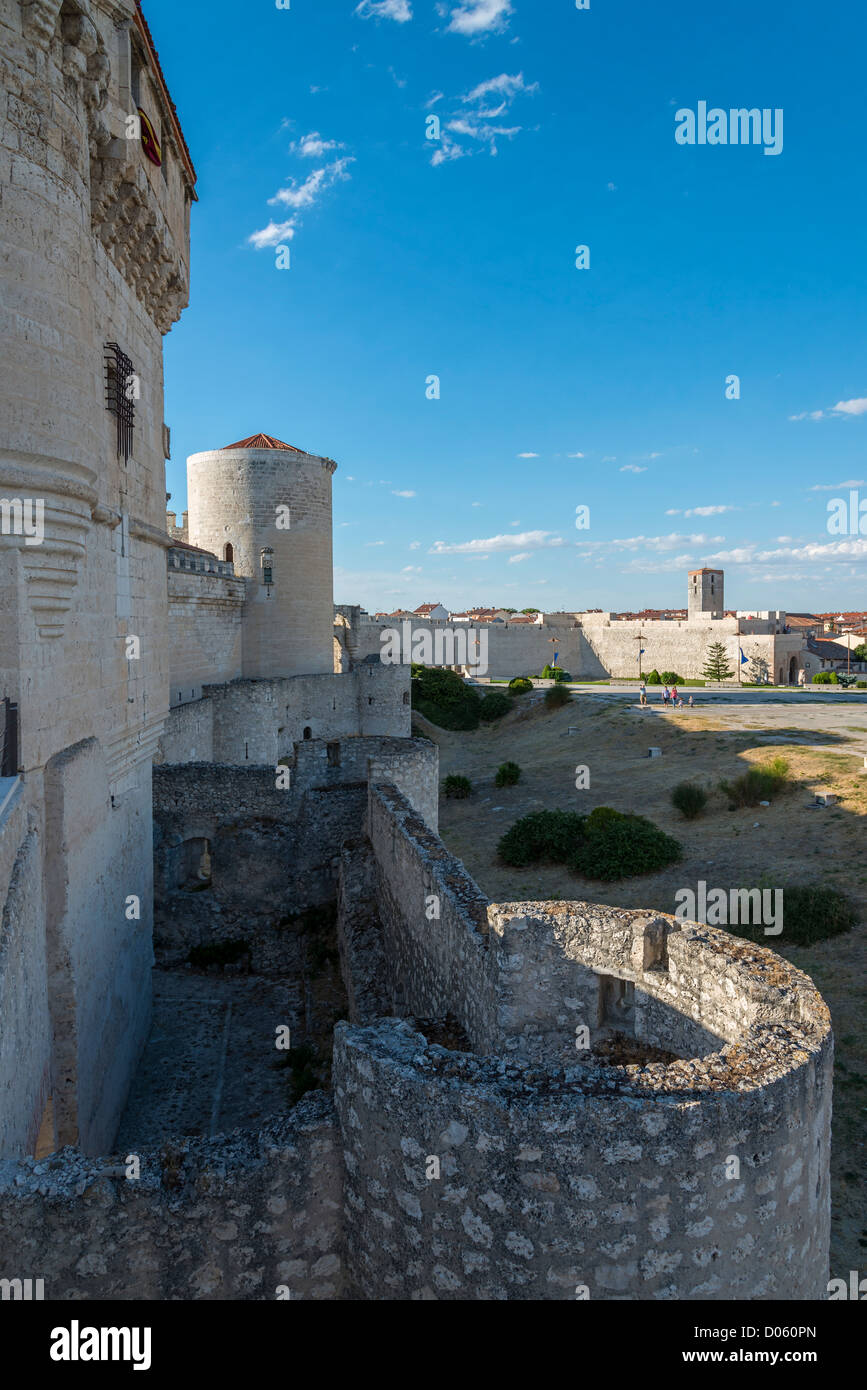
[(643, 650), (556, 654), (743, 658)]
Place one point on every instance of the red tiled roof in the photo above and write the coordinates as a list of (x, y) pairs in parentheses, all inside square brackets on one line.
[(262, 441)]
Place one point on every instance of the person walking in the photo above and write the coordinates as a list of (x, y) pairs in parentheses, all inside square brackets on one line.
[(643, 693), (674, 697), (665, 695)]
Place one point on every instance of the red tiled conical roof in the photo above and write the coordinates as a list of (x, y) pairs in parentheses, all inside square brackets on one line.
[(262, 441)]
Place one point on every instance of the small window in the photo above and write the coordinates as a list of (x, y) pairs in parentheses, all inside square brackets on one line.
[(406, 697), (267, 563), (121, 393), (229, 553), (308, 732), (194, 870), (333, 751)]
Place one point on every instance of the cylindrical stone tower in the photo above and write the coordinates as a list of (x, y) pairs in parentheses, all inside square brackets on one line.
[(267, 507)]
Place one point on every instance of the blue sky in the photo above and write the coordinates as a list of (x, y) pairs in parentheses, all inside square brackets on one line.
[(559, 387)]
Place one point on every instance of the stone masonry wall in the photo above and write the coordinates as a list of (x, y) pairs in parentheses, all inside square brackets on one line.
[(235, 1217)]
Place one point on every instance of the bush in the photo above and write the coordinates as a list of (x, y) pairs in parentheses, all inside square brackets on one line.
[(443, 698), (555, 673), (826, 678), (615, 846), (671, 678), (519, 685), (493, 706), (861, 685), (557, 696), (606, 844), (548, 835), (811, 912), (654, 678), (689, 799), (457, 786), (758, 784), (507, 775)]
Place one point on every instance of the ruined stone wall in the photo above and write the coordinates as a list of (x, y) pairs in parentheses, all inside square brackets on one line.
[(435, 964), (235, 1217), (257, 722), (274, 852), (600, 1183)]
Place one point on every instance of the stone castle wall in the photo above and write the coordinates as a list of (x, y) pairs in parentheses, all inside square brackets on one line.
[(94, 252), (257, 722), (204, 632), (241, 1216), (595, 650)]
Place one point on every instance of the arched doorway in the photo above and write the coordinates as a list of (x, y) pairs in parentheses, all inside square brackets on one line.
[(229, 553), (793, 671)]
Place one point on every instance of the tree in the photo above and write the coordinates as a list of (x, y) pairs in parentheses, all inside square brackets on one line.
[(758, 670), (716, 667), (860, 653), (528, 611)]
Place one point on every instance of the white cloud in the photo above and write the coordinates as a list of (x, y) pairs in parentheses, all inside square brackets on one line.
[(400, 10), (306, 194), (415, 545), (273, 234), (473, 17), (528, 456), (832, 487), (574, 456), (632, 468), (402, 493), (709, 511), (538, 540), (610, 458), (299, 196), (411, 569), (473, 119), (857, 406), (313, 146), (524, 555), (370, 543)]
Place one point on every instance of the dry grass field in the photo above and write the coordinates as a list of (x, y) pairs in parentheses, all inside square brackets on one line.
[(788, 842)]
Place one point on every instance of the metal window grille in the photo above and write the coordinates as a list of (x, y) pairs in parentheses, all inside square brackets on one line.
[(119, 397)]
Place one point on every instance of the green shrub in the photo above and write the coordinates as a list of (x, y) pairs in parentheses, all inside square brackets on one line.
[(826, 678), (606, 844), (555, 673), (671, 678), (557, 696), (616, 846), (757, 784), (507, 775), (654, 678), (493, 706), (811, 912), (689, 799), (548, 835), (457, 786), (519, 685), (444, 698), (861, 685)]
